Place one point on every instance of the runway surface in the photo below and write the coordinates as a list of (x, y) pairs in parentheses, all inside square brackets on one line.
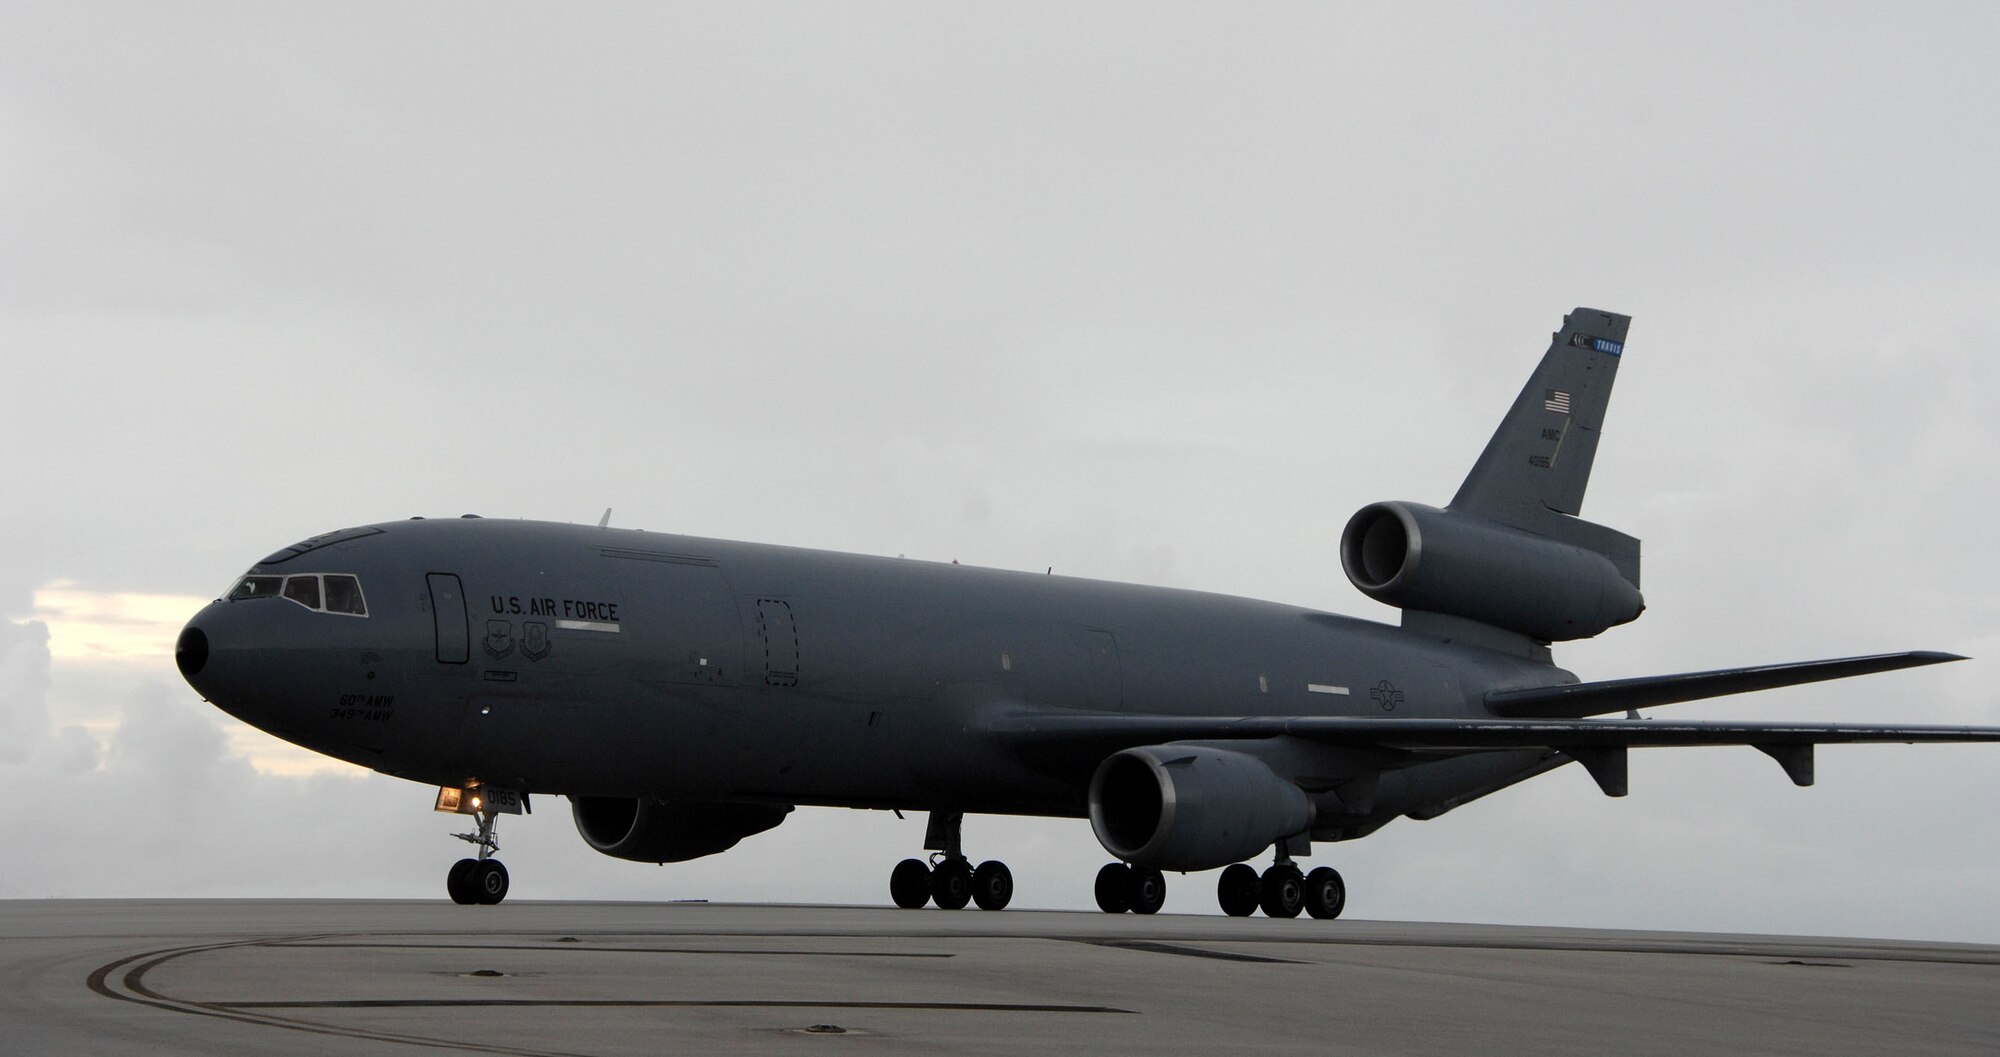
[(261, 977)]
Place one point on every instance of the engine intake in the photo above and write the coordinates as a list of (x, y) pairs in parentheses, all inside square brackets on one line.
[(1418, 557), (647, 830), (1190, 807)]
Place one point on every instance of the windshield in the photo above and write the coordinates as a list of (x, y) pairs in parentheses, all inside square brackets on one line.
[(256, 587), (343, 595), (320, 592)]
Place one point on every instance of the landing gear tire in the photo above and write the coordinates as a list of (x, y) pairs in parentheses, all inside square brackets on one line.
[(992, 885), (489, 882), (459, 882), (1283, 894), (1325, 893), (482, 880), (910, 884), (1149, 890), (1237, 890), (1114, 888), (951, 884)]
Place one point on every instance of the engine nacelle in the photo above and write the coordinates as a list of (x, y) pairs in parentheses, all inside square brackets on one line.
[(1418, 557), (1192, 807), (647, 830)]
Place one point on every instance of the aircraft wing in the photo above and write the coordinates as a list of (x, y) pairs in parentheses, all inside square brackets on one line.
[(1461, 735), (1599, 744)]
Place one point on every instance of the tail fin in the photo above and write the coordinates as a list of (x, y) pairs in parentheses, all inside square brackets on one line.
[(1533, 472)]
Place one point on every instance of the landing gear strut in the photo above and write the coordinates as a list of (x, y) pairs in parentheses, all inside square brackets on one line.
[(482, 880), (949, 879)]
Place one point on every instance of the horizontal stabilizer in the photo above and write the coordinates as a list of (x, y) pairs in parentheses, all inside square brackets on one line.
[(1577, 700)]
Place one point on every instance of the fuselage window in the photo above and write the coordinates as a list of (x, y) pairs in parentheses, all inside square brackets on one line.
[(343, 595), (256, 587), (304, 590)]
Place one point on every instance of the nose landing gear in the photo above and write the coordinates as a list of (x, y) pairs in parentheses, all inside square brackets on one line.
[(481, 880)]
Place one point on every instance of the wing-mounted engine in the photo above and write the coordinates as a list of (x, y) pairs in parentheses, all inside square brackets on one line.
[(646, 830), (1192, 807), (1418, 557)]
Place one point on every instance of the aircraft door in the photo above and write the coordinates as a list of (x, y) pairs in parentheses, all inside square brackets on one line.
[(454, 641), (779, 635)]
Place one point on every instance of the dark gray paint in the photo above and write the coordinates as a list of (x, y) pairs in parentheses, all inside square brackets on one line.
[(755, 673)]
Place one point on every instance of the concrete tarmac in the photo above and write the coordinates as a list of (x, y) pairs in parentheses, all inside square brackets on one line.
[(533, 979)]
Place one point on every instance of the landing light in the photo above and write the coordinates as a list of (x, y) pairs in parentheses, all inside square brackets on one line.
[(454, 801), (480, 799)]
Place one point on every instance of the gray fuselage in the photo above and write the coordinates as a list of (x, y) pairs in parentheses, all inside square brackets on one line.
[(604, 662)]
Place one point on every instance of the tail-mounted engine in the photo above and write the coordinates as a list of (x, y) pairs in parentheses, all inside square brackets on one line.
[(1442, 561)]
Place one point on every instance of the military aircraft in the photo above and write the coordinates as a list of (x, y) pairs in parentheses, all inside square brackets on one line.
[(685, 693)]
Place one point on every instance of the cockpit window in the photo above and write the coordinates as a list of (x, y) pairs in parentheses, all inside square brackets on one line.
[(304, 590), (256, 587), (343, 595), (321, 592)]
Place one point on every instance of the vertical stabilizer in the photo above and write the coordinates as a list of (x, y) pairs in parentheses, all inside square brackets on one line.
[(1539, 459), (1533, 472)]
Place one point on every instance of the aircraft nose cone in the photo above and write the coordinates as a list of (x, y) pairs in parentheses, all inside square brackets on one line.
[(191, 652)]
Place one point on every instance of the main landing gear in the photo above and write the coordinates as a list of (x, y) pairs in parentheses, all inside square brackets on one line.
[(1122, 887), (949, 879), (1282, 891), (482, 880)]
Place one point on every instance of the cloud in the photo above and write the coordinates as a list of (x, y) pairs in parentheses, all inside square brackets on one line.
[(24, 685), (1162, 303), (127, 626), (165, 809)]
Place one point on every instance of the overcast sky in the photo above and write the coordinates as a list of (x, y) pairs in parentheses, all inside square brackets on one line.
[(1142, 292)]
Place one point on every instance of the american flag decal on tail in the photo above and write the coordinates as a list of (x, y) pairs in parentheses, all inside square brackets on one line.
[(1557, 401)]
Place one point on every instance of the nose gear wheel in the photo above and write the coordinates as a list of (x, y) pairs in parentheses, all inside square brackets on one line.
[(483, 880)]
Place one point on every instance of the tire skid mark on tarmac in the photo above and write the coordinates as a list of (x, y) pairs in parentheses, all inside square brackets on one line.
[(131, 987), (125, 981), (1153, 947), (309, 944), (667, 1003)]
